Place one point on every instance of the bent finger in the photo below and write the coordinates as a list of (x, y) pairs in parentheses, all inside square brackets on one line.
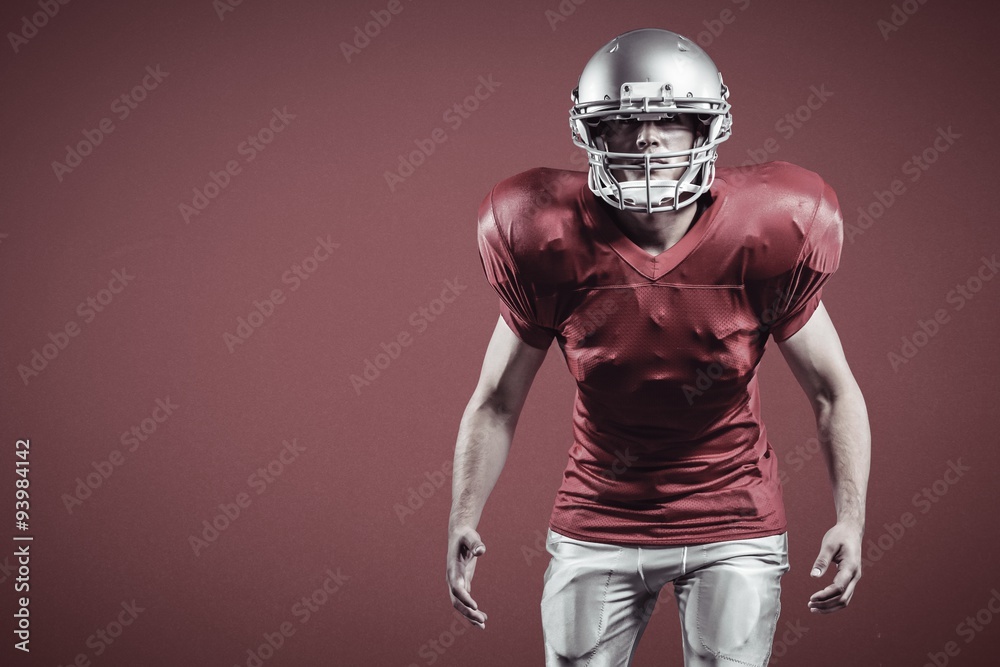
[(476, 617), (461, 593), (837, 587), (831, 592)]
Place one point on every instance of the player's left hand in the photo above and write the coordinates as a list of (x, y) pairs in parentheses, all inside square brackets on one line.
[(841, 545)]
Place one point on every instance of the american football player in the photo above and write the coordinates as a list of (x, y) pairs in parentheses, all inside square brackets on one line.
[(662, 278)]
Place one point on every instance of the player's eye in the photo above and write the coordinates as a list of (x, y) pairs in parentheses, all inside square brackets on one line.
[(618, 126)]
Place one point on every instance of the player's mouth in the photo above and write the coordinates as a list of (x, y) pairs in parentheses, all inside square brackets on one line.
[(662, 161), (659, 164)]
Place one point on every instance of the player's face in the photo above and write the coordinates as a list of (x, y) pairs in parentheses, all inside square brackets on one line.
[(651, 136)]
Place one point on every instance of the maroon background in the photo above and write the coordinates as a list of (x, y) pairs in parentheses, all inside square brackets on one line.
[(365, 454)]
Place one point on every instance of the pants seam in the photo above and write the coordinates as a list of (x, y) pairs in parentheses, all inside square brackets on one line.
[(777, 610), (774, 626), (604, 602), (721, 656)]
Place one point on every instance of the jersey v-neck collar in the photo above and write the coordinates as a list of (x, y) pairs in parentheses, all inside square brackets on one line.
[(649, 266)]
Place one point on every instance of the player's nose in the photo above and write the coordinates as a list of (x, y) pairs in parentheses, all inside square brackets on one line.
[(647, 136)]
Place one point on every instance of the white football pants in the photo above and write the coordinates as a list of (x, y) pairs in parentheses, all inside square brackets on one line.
[(598, 599)]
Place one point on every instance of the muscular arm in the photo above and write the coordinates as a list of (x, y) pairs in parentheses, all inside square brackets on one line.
[(487, 426), (816, 358), (484, 439)]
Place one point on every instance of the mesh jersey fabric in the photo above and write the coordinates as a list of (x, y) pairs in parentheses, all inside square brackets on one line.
[(668, 443)]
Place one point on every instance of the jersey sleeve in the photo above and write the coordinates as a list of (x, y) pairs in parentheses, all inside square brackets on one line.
[(517, 296), (797, 293)]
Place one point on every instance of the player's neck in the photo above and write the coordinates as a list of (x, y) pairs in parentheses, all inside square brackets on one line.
[(656, 232)]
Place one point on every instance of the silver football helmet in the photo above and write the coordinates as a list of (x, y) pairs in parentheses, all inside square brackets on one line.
[(650, 74)]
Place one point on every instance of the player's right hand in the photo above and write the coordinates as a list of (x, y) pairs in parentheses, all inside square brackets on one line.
[(464, 546)]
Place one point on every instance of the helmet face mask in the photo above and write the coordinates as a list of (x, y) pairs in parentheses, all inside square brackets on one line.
[(645, 75)]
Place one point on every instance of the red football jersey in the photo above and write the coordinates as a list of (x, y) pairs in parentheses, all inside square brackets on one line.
[(669, 447)]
